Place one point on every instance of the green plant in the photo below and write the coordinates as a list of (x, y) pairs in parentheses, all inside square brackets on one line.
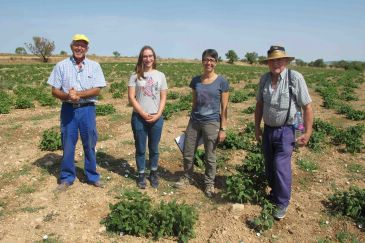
[(250, 109), (103, 110), (344, 237), (351, 137), (307, 165), (51, 140), (266, 220), (349, 203), (134, 214), (5, 102), (23, 102)]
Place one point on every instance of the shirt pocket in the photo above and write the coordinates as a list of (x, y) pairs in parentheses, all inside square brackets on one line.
[(284, 101), (90, 81)]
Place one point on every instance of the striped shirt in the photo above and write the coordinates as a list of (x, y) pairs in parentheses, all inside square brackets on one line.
[(66, 75), (276, 102)]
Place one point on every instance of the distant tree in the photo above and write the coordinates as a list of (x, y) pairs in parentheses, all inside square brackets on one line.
[(317, 63), (231, 56), (116, 54), (20, 51), (261, 58), (300, 62), (220, 59), (41, 47), (251, 57), (63, 53)]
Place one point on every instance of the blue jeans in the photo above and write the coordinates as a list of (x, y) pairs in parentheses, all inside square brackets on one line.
[(278, 144), (142, 130), (73, 120)]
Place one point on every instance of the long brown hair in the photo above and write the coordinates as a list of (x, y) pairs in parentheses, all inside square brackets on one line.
[(139, 69)]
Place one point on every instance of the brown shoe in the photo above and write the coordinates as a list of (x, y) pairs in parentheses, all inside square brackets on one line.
[(98, 184), (63, 186)]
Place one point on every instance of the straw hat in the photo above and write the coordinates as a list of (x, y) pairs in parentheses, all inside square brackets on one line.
[(276, 52)]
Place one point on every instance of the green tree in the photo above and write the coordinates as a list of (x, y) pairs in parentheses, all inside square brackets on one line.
[(251, 57), (20, 51), (116, 54), (317, 63), (261, 58), (63, 53), (41, 47), (231, 56), (300, 62)]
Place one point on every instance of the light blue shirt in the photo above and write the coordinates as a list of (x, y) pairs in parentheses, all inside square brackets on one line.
[(66, 75)]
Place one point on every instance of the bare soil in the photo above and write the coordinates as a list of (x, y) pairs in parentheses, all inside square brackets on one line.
[(30, 210)]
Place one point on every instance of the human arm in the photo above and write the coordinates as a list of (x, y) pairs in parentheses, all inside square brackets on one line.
[(258, 117), (133, 101), (223, 115), (155, 117), (308, 125)]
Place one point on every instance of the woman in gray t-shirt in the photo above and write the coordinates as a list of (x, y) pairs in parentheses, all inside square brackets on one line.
[(147, 89), (208, 120)]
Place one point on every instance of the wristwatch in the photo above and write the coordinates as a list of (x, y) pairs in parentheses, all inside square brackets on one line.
[(222, 129)]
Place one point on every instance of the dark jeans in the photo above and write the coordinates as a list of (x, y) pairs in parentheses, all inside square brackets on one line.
[(142, 130), (73, 120), (278, 145)]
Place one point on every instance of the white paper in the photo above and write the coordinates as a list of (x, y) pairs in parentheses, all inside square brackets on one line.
[(181, 139)]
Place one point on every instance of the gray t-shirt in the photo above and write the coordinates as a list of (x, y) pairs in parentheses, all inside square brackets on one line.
[(148, 89), (276, 102), (208, 98)]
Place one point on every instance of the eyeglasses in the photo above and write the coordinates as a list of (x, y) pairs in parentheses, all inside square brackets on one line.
[(148, 56), (207, 60)]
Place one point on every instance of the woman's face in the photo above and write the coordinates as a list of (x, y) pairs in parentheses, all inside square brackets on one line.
[(148, 58), (209, 63), (277, 65)]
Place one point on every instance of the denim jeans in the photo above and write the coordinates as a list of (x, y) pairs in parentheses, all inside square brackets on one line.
[(73, 120), (141, 131), (278, 145)]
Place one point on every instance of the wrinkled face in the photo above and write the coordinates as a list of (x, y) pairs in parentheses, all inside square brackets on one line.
[(209, 63), (148, 59), (277, 65), (79, 49)]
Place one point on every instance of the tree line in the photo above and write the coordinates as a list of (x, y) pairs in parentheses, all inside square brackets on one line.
[(43, 48)]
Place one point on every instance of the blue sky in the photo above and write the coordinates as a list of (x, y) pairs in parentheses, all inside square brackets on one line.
[(308, 29)]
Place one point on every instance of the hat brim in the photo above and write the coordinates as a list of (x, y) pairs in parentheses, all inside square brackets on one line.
[(272, 58)]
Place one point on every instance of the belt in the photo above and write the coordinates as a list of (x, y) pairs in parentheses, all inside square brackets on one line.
[(277, 126), (78, 105)]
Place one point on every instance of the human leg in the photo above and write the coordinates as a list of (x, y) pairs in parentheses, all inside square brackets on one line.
[(154, 136), (69, 137), (88, 133)]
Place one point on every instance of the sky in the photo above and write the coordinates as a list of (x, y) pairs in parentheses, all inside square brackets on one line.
[(308, 29)]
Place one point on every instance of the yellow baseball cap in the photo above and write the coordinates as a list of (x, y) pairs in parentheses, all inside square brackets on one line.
[(78, 37)]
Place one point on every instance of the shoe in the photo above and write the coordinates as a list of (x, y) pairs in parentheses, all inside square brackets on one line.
[(280, 212), (154, 178), (182, 182), (98, 184), (63, 186), (209, 191), (141, 181)]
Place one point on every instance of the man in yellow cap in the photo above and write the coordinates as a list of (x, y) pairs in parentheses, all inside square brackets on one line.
[(282, 93), (77, 81)]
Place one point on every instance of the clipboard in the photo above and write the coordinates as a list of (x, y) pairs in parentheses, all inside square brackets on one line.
[(180, 140)]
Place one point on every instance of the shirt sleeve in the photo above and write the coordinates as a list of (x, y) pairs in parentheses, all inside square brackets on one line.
[(132, 80), (55, 77), (259, 96), (193, 82), (224, 85), (302, 93), (163, 82), (99, 77)]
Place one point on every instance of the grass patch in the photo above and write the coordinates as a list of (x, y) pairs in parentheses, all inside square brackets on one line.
[(31, 209), (25, 189), (307, 165)]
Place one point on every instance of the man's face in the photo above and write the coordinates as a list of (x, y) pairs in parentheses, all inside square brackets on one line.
[(277, 65), (79, 49)]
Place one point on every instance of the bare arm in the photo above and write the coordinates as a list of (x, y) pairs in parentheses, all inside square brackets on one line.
[(60, 94), (224, 116), (133, 101), (258, 117), (308, 124)]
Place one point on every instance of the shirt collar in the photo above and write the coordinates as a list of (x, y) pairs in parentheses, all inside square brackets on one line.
[(283, 73), (72, 59)]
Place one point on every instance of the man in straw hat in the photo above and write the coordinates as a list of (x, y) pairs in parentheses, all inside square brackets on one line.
[(282, 92), (77, 81)]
